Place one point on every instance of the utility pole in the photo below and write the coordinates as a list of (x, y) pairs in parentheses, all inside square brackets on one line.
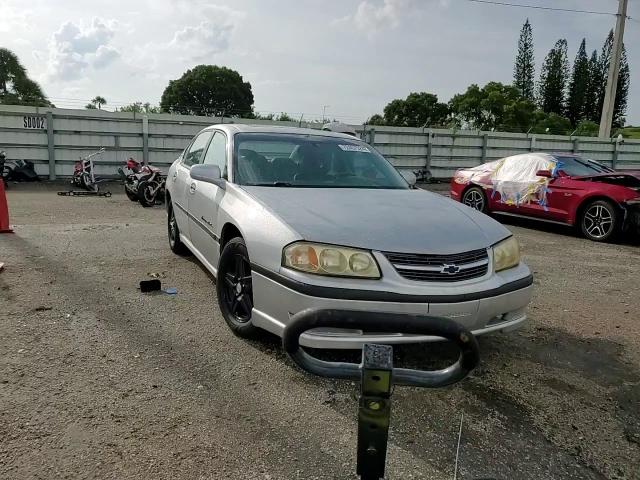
[(614, 69)]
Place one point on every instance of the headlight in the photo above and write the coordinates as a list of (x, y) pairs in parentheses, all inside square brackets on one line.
[(330, 260), (506, 254)]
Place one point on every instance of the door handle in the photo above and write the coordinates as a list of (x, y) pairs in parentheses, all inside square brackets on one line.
[(192, 187)]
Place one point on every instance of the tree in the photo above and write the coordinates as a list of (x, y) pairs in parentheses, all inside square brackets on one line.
[(417, 110), (553, 79), (284, 117), (524, 69), (592, 97), (139, 107), (98, 101), (16, 88), (208, 90), (579, 86), (492, 107), (376, 119), (551, 123), (622, 90), (587, 128)]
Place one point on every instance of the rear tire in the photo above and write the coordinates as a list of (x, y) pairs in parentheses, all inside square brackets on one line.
[(130, 195), (475, 198), (600, 221), (235, 289), (175, 244)]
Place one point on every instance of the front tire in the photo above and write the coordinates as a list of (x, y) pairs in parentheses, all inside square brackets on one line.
[(234, 288), (131, 195), (599, 221), (475, 198), (145, 194), (175, 244)]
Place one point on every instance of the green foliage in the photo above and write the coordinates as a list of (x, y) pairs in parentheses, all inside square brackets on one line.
[(630, 132), (579, 86), (139, 107), (593, 107), (284, 117), (551, 123), (417, 110), (376, 119), (524, 69), (622, 91), (16, 88), (587, 128), (90, 106), (493, 107), (553, 79), (208, 90)]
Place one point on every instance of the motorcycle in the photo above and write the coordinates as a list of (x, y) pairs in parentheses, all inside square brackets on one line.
[(17, 170), (152, 188), (83, 173), (131, 179)]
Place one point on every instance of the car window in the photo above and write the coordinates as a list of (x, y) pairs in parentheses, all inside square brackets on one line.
[(194, 154), (310, 161), (217, 153), (575, 167)]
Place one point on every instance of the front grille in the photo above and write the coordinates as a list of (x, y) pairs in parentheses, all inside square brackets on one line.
[(432, 268)]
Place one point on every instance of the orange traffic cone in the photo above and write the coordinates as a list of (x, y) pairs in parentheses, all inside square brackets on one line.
[(4, 211)]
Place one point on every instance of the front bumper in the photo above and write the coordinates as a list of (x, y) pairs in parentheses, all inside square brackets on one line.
[(276, 300), (632, 216)]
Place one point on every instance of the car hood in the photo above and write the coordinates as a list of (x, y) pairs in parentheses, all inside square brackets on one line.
[(408, 221)]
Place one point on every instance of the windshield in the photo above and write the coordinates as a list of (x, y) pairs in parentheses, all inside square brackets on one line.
[(578, 166), (282, 160)]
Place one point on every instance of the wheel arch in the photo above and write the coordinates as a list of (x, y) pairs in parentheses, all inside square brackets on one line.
[(229, 231), (577, 214)]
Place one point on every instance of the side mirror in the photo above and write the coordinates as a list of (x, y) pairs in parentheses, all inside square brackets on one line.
[(208, 173), (544, 173), (409, 176)]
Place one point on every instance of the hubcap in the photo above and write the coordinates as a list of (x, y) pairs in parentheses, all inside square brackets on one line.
[(238, 289), (598, 221), (474, 199)]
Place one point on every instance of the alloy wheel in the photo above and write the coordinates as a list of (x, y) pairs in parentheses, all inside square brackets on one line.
[(598, 221), (237, 289), (474, 199)]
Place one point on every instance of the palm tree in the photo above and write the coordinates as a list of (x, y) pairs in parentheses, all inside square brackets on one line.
[(98, 101)]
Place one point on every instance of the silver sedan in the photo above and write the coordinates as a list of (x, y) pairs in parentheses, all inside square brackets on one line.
[(287, 219)]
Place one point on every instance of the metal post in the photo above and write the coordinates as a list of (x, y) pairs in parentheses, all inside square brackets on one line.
[(614, 159), (429, 150), (145, 139), (576, 145), (51, 147), (374, 411), (614, 69), (532, 145), (485, 142), (372, 137)]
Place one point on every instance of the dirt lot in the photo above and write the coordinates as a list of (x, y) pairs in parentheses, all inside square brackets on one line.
[(100, 381)]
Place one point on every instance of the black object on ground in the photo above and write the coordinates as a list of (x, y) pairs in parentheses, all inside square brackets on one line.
[(84, 193), (150, 285)]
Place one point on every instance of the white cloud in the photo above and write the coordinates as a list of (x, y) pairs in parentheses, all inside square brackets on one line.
[(212, 35), (74, 48), (374, 15)]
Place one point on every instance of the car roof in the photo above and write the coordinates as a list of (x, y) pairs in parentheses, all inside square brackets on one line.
[(233, 128)]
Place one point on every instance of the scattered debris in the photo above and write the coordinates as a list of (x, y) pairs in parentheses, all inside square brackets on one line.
[(157, 274), (42, 308), (170, 290), (1, 266)]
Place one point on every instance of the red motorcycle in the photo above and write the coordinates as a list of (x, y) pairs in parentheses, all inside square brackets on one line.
[(142, 183)]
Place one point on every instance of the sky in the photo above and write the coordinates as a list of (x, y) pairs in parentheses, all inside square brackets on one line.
[(346, 57)]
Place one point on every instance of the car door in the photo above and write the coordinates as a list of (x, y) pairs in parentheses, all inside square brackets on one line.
[(204, 199), (181, 179)]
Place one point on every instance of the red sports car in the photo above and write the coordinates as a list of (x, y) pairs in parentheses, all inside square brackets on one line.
[(562, 188)]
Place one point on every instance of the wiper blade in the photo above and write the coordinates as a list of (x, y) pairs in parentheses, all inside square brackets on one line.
[(272, 184)]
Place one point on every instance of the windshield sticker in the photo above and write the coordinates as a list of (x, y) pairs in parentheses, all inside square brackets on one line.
[(354, 148)]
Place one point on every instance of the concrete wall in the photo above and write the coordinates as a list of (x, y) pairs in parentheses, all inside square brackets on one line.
[(56, 138)]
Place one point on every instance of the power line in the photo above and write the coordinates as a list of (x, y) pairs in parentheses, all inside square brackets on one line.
[(539, 7)]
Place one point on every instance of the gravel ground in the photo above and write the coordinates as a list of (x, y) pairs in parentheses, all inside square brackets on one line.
[(100, 381)]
